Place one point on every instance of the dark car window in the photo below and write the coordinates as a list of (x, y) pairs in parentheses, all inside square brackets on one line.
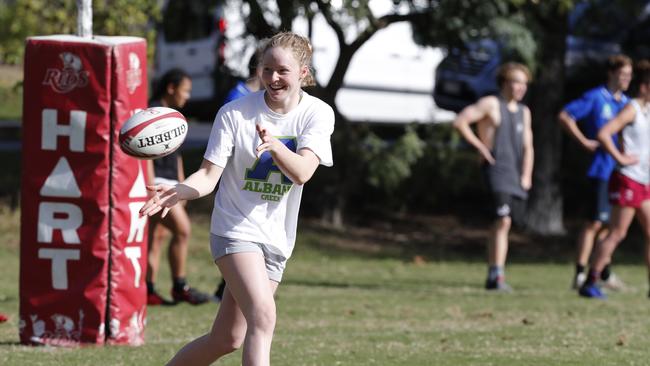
[(187, 20)]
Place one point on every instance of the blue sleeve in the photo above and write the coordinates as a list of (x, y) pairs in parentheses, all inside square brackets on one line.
[(232, 95), (581, 107), (238, 91)]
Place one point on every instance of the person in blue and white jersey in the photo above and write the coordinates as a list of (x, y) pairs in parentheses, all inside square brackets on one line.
[(582, 119)]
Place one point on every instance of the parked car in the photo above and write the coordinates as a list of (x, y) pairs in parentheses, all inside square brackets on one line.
[(467, 74), (192, 36)]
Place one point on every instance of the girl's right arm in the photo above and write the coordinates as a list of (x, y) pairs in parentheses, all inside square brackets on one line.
[(199, 184), (614, 126), (472, 114)]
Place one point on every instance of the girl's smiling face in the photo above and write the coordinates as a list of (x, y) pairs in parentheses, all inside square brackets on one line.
[(281, 76)]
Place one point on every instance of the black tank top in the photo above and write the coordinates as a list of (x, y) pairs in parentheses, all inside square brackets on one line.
[(508, 151), (167, 166)]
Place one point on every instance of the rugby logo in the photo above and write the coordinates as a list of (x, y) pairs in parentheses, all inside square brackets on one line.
[(134, 73), (70, 77)]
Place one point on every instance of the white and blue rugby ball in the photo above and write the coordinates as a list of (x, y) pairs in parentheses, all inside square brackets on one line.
[(153, 133)]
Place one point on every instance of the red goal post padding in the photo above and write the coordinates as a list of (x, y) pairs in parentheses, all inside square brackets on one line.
[(83, 245)]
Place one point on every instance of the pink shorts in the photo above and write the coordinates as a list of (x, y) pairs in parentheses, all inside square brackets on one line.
[(627, 192)]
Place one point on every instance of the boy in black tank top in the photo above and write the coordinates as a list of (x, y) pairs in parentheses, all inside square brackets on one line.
[(504, 139)]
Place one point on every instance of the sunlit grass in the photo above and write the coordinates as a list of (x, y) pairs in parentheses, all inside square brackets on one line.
[(342, 307)]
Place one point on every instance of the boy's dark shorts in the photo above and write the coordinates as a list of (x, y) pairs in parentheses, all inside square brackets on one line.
[(508, 205), (598, 207)]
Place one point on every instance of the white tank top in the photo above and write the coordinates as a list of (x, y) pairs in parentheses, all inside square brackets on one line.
[(636, 141)]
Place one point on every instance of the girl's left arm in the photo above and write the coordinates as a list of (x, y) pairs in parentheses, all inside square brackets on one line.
[(299, 167)]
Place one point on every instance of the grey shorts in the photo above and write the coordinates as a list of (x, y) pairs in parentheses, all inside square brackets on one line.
[(275, 261)]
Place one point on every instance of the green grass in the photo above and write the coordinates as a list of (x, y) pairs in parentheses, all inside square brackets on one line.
[(352, 307), (11, 92)]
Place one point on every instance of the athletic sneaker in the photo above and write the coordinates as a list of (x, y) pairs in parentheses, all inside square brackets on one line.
[(498, 286), (613, 283), (154, 299), (190, 295), (579, 280), (591, 291)]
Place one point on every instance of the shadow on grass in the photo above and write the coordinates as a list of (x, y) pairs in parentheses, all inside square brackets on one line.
[(9, 344), (404, 284), (330, 284), (445, 238)]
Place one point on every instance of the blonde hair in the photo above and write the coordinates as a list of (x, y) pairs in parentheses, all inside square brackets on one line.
[(299, 47), (503, 73)]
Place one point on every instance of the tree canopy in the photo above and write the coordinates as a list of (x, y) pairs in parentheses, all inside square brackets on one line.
[(20, 19)]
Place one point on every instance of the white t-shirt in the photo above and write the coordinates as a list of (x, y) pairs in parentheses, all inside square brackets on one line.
[(635, 140), (255, 201)]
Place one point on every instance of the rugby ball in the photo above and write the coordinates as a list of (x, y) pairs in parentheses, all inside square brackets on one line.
[(153, 133)]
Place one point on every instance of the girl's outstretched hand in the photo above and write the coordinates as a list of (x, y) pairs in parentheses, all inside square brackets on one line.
[(164, 197), (269, 143)]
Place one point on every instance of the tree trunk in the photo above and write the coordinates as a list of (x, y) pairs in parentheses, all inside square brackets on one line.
[(545, 209)]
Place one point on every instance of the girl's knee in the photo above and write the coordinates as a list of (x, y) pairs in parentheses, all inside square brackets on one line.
[(263, 317), (228, 342), (617, 235), (182, 236)]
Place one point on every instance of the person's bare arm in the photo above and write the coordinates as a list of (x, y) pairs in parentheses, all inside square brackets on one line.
[(180, 173), (299, 167), (199, 184), (614, 126), (471, 114), (529, 152), (571, 127), (180, 169)]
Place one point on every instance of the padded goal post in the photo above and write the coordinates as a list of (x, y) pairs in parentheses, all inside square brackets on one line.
[(83, 245)]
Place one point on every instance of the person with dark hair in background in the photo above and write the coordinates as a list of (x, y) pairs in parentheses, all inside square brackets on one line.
[(251, 84), (173, 91), (593, 110), (629, 185), (504, 139)]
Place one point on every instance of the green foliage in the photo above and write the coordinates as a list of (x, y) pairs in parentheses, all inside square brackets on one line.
[(517, 24), (11, 102), (389, 163), (20, 19), (518, 42)]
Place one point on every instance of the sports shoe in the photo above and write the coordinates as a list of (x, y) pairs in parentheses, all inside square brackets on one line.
[(591, 291), (579, 280), (497, 286), (190, 295), (154, 299), (613, 283)]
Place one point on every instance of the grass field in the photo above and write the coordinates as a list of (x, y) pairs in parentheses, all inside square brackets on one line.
[(341, 304)]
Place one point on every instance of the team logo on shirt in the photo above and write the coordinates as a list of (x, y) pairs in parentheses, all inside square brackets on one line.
[(257, 177), (606, 112)]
